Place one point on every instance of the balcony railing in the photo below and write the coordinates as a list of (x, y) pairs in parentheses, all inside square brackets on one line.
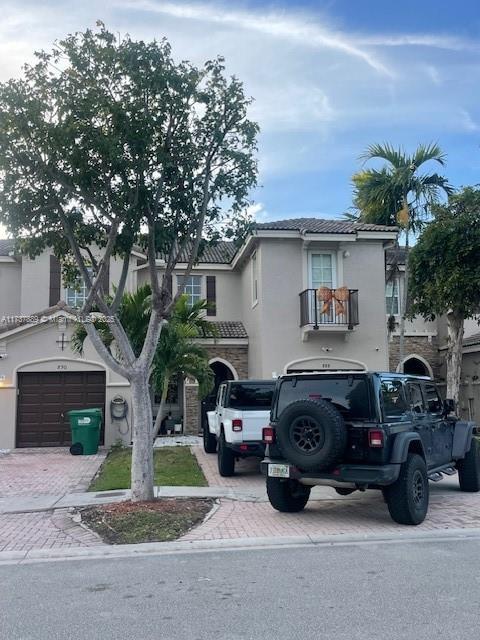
[(330, 307)]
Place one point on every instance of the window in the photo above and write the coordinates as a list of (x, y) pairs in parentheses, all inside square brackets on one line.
[(394, 403), (322, 270), (192, 288), (220, 394), (254, 278), (251, 396), (434, 402), (75, 296), (348, 393), (392, 298), (416, 398)]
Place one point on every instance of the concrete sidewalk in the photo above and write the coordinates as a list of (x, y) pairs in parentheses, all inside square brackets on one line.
[(27, 504)]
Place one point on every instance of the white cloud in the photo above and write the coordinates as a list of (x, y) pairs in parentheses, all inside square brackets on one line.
[(433, 41), (273, 24), (258, 212), (321, 94), (433, 73), (467, 121)]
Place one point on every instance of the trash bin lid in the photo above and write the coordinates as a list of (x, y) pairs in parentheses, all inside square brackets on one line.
[(83, 412)]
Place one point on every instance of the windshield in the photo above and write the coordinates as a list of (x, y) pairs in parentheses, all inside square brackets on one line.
[(349, 393), (244, 396)]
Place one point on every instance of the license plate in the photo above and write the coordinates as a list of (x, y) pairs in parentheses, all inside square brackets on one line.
[(279, 470)]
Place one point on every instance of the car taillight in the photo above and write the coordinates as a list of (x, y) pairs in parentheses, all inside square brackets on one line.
[(268, 435), (237, 424), (375, 438)]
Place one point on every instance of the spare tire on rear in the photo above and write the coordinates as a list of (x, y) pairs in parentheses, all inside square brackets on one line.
[(312, 434)]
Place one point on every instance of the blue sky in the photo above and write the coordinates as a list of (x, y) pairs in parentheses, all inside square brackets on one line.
[(328, 77)]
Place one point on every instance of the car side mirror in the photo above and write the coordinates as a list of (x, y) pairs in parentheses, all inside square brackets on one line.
[(448, 406)]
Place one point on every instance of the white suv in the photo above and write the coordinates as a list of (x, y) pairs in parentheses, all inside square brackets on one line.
[(241, 412)]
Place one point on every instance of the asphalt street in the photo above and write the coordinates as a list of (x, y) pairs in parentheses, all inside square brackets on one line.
[(414, 590)]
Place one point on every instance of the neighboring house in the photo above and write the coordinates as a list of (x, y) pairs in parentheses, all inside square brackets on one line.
[(263, 299), (422, 356), (40, 377), (426, 342)]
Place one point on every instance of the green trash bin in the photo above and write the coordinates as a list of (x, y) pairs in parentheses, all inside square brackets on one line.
[(85, 425)]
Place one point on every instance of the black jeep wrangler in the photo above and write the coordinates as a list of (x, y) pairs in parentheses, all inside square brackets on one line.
[(364, 430)]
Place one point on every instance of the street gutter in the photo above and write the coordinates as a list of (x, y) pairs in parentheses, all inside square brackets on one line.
[(239, 544)]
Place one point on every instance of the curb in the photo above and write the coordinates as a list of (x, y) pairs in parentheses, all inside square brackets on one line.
[(238, 544)]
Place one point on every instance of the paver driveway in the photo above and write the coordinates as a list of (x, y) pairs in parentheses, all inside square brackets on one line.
[(33, 472), (327, 513), (36, 472)]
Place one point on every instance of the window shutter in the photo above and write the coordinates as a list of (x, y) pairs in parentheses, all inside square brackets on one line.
[(55, 281), (211, 296)]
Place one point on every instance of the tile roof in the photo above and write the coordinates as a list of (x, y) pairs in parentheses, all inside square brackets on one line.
[(229, 329), (22, 320), (319, 225), (220, 253), (472, 340), (6, 246), (392, 255)]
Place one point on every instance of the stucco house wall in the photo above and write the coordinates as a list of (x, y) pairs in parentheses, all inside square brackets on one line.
[(10, 288), (284, 274), (35, 348)]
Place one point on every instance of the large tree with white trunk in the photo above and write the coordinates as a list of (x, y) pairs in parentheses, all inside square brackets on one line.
[(108, 142), (445, 273)]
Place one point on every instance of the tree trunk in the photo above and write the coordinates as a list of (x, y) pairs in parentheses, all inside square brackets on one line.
[(142, 453), (404, 301), (455, 323), (161, 408)]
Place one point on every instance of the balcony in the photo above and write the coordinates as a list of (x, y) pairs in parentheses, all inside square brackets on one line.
[(326, 309)]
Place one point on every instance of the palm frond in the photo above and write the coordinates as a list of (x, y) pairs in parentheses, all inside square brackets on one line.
[(427, 152), (385, 151)]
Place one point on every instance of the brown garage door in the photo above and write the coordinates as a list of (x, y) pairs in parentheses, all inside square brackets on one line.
[(45, 398)]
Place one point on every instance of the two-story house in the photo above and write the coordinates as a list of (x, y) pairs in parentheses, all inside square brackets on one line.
[(297, 295)]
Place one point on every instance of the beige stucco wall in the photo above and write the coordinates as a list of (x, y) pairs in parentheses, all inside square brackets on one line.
[(228, 285), (35, 288), (35, 349), (10, 285), (33, 283), (252, 315), (284, 274)]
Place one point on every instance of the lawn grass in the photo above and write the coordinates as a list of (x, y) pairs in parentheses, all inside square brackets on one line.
[(174, 466), (136, 522)]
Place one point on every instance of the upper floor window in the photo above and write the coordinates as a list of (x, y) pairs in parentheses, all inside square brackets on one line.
[(75, 296), (392, 298), (254, 278), (322, 270), (192, 288)]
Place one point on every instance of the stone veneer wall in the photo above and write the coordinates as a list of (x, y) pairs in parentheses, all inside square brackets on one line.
[(237, 356), (191, 409), (425, 346)]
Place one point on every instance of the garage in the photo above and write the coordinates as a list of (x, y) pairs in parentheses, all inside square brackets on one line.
[(44, 399)]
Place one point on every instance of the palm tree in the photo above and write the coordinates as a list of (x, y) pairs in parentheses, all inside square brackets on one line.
[(178, 353), (399, 193)]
